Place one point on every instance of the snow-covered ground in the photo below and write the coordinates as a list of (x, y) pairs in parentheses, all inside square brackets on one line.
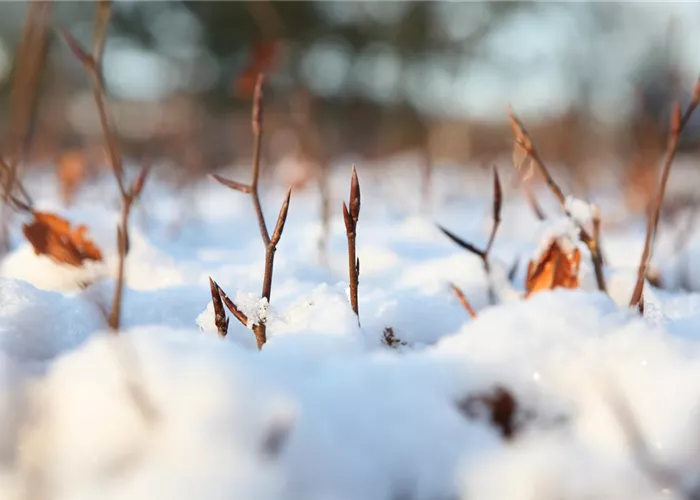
[(326, 411)]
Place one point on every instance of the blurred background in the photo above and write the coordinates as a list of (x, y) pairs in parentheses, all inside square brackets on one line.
[(593, 82)]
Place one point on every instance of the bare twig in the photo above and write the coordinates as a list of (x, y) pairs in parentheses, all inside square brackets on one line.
[(99, 30), (524, 143), (237, 313), (260, 328), (484, 254), (24, 94), (351, 216), (678, 123), (463, 300), (123, 245), (92, 64)]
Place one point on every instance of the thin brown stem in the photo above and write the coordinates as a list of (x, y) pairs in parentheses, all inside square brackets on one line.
[(351, 215), (678, 123), (25, 83), (259, 328), (114, 320), (523, 141), (484, 254), (463, 300), (237, 313), (99, 31), (257, 133), (92, 65)]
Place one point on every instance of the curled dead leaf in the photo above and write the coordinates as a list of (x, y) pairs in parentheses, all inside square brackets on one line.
[(555, 268), (52, 235)]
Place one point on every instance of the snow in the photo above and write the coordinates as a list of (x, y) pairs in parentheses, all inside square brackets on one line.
[(169, 410)]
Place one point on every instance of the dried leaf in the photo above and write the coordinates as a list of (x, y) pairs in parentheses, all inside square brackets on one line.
[(555, 268), (390, 339), (501, 406), (52, 235)]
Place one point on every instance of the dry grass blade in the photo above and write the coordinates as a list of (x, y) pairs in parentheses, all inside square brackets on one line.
[(220, 319), (524, 142), (678, 123), (463, 300), (351, 215), (238, 186)]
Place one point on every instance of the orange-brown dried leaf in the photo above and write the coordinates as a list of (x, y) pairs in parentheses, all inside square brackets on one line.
[(555, 268), (52, 235)]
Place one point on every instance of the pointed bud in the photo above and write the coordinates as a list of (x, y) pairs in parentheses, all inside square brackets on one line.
[(281, 219), (347, 219), (220, 319), (497, 195), (354, 196)]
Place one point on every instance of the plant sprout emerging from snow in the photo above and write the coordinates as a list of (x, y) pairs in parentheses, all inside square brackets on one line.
[(678, 123), (525, 148), (351, 216), (482, 254), (259, 326)]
